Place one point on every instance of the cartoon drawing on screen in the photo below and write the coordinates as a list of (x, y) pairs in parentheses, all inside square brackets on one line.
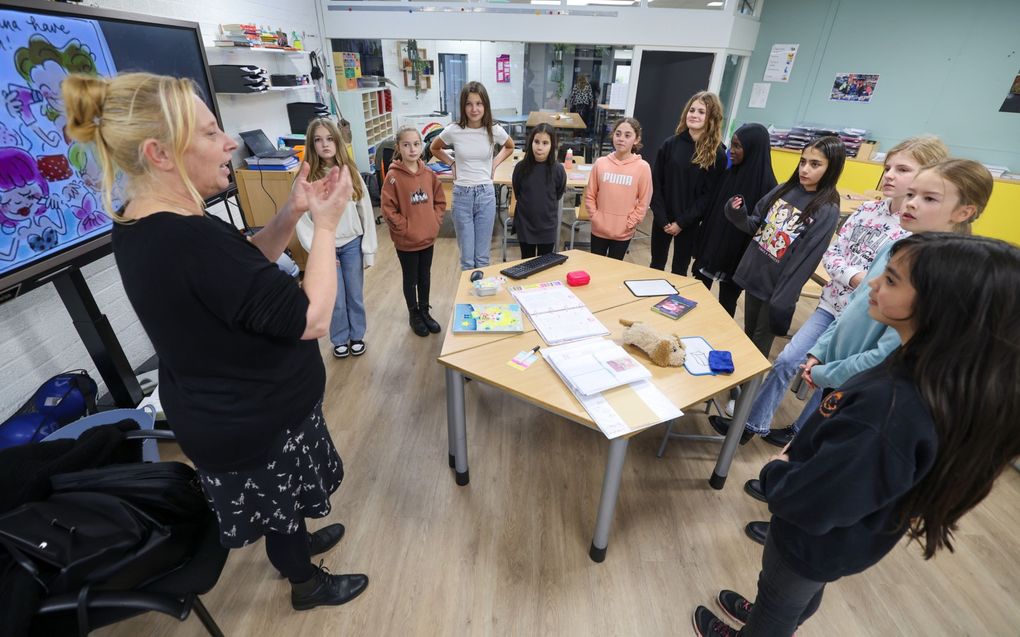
[(49, 187), (25, 205), (38, 103)]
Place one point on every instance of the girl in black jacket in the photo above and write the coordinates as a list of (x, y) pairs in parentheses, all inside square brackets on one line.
[(687, 168)]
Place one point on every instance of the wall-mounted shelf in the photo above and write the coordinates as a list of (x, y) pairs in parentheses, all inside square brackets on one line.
[(254, 49), (272, 89)]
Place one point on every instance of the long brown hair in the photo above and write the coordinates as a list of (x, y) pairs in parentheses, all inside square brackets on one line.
[(636, 125), (478, 89), (707, 145), (343, 158), (965, 358)]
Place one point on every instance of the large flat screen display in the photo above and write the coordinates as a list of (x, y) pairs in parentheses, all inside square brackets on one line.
[(51, 207)]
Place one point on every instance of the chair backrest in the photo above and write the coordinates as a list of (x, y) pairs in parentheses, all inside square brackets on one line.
[(581, 212)]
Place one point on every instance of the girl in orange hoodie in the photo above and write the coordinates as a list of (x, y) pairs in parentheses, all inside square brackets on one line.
[(618, 192), (413, 204)]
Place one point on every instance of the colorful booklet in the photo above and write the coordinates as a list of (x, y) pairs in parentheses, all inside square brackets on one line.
[(674, 306), (472, 318)]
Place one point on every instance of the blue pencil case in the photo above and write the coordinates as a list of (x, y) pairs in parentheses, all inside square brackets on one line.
[(720, 361)]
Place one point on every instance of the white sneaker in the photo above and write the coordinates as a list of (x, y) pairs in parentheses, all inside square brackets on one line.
[(730, 406)]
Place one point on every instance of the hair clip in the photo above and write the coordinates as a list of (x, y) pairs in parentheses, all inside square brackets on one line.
[(97, 120)]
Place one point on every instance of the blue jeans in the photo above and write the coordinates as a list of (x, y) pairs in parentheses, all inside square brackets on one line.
[(766, 402), (348, 323), (474, 213)]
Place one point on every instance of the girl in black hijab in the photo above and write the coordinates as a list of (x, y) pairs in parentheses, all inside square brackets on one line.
[(722, 244)]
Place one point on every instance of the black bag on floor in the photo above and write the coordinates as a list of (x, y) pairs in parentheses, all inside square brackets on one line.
[(134, 523)]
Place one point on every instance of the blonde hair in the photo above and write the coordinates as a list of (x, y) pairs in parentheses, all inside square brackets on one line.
[(117, 114), (972, 181), (400, 133), (318, 168), (925, 149), (708, 144)]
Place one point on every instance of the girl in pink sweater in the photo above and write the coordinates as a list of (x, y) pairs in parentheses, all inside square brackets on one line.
[(618, 192)]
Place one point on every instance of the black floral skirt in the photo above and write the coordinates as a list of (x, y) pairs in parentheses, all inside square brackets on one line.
[(299, 476)]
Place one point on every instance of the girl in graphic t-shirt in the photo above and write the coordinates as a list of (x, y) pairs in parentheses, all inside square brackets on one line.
[(474, 201)]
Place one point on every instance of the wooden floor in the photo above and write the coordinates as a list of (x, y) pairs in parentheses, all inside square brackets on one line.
[(508, 555)]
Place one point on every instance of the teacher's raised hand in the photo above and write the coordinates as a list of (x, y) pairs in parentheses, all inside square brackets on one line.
[(326, 199)]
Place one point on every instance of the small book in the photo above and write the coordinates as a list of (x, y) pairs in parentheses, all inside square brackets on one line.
[(472, 318), (674, 306)]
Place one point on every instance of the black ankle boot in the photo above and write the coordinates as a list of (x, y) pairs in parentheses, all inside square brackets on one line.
[(430, 322), (326, 589), (417, 322)]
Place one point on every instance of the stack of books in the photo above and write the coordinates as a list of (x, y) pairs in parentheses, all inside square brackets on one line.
[(271, 163), (244, 35)]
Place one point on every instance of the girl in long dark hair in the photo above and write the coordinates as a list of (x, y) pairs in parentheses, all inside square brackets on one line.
[(907, 447), (792, 226), (539, 182), (720, 244)]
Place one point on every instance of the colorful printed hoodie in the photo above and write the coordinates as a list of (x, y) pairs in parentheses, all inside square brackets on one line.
[(617, 196), (859, 240), (413, 205)]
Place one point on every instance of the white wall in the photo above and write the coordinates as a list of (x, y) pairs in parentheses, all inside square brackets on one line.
[(37, 339), (481, 58)]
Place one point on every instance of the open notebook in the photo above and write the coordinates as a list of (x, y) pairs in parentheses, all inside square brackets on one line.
[(557, 313)]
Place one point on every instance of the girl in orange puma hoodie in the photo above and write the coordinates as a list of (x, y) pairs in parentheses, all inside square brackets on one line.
[(413, 204), (618, 192)]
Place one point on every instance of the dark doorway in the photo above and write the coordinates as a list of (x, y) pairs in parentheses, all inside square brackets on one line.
[(667, 80)]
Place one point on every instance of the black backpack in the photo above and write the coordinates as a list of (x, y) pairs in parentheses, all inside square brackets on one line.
[(119, 526)]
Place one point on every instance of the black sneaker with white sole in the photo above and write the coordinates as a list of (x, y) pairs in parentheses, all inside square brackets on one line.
[(734, 605), (706, 624), (341, 351), (357, 348)]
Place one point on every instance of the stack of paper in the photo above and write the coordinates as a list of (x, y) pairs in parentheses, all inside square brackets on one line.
[(557, 313), (595, 365)]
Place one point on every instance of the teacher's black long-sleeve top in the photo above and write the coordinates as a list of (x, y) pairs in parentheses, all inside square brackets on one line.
[(835, 503), (682, 191), (226, 324)]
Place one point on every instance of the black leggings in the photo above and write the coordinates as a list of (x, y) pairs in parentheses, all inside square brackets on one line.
[(609, 247), (529, 250), (289, 553), (729, 292), (416, 267), (683, 249)]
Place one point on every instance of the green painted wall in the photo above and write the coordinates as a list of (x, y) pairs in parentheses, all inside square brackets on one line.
[(945, 66)]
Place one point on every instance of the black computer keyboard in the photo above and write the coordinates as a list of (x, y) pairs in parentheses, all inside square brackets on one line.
[(533, 266)]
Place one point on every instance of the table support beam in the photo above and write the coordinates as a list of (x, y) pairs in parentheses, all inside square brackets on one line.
[(607, 503), (741, 411), (456, 427)]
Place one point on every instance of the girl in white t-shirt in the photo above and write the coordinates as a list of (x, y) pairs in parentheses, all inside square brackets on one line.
[(473, 139)]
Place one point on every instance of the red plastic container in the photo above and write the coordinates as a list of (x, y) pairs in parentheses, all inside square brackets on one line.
[(578, 277)]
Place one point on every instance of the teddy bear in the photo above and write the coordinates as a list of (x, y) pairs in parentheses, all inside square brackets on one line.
[(665, 350)]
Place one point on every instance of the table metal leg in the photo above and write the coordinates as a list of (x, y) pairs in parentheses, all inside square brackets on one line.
[(456, 427), (740, 413), (607, 503)]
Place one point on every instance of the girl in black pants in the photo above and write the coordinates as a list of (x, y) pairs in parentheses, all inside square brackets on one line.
[(413, 205), (687, 167)]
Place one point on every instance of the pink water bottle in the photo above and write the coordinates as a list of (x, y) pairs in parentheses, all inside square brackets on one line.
[(568, 160)]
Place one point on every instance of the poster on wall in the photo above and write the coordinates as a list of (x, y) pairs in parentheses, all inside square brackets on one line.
[(853, 87), (1012, 102), (503, 68), (759, 95), (780, 63)]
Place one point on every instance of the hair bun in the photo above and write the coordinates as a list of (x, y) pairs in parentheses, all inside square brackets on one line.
[(84, 98)]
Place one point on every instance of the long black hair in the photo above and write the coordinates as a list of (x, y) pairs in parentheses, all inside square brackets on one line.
[(835, 153), (529, 160), (964, 356)]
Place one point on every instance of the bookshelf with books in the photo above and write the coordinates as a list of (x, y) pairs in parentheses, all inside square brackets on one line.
[(370, 112)]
